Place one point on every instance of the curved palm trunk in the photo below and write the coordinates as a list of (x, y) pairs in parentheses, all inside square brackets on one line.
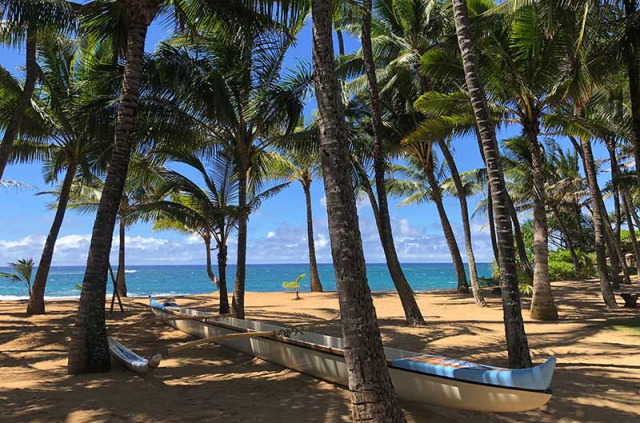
[(316, 285), (542, 305), (121, 283), (373, 398), (449, 235), (407, 298), (464, 211), (237, 302), (222, 271), (210, 274), (89, 348), (36, 298), (517, 344), (594, 191), (13, 128)]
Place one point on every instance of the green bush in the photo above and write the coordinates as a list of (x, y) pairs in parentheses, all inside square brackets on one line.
[(559, 271)]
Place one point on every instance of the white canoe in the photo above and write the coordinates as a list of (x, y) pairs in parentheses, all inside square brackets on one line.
[(131, 360), (417, 378)]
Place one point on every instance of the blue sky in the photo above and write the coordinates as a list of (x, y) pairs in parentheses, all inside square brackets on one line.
[(277, 232)]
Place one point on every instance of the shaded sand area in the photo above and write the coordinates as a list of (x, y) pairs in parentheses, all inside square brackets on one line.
[(597, 380)]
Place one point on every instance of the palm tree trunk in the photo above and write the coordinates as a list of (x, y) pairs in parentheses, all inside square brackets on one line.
[(464, 211), (568, 239), (316, 285), (340, 42), (407, 298), (449, 235), (373, 398), (632, 231), (13, 127), (542, 305), (633, 70), (237, 302), (210, 274), (492, 225), (594, 191), (89, 348), (517, 233), (222, 271), (36, 299), (121, 283), (517, 344)]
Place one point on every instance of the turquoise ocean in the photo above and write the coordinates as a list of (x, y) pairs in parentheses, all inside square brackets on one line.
[(192, 279)]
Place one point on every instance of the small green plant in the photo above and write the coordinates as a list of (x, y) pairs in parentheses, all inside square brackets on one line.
[(525, 289), (22, 270), (295, 285)]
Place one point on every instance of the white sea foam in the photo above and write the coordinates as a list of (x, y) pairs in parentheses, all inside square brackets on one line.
[(130, 271), (26, 297)]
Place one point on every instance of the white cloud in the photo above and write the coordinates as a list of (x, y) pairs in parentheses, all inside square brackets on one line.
[(282, 244), (323, 201)]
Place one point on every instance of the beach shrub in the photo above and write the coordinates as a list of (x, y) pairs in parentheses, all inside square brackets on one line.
[(561, 265), (560, 271), (294, 285)]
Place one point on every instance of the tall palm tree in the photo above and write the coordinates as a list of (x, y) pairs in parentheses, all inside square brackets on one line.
[(409, 304), (466, 223), (517, 344), (523, 69), (303, 167), (60, 130), (88, 350), (420, 182), (373, 398), (29, 22), (631, 46), (210, 88)]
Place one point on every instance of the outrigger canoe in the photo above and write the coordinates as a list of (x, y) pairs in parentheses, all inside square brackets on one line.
[(417, 377), (131, 360)]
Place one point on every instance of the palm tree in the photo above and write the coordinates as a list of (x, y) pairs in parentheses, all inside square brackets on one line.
[(422, 182), (29, 22), (517, 344), (62, 115), (88, 350), (410, 306), (211, 211), (631, 46), (298, 165), (209, 88), (22, 270), (466, 224), (523, 68), (372, 395)]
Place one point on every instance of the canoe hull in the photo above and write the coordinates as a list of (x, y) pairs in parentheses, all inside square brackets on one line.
[(131, 360), (410, 386)]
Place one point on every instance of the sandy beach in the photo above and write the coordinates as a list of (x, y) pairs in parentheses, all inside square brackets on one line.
[(597, 379)]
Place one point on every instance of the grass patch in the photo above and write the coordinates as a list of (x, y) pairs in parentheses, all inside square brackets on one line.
[(630, 325)]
